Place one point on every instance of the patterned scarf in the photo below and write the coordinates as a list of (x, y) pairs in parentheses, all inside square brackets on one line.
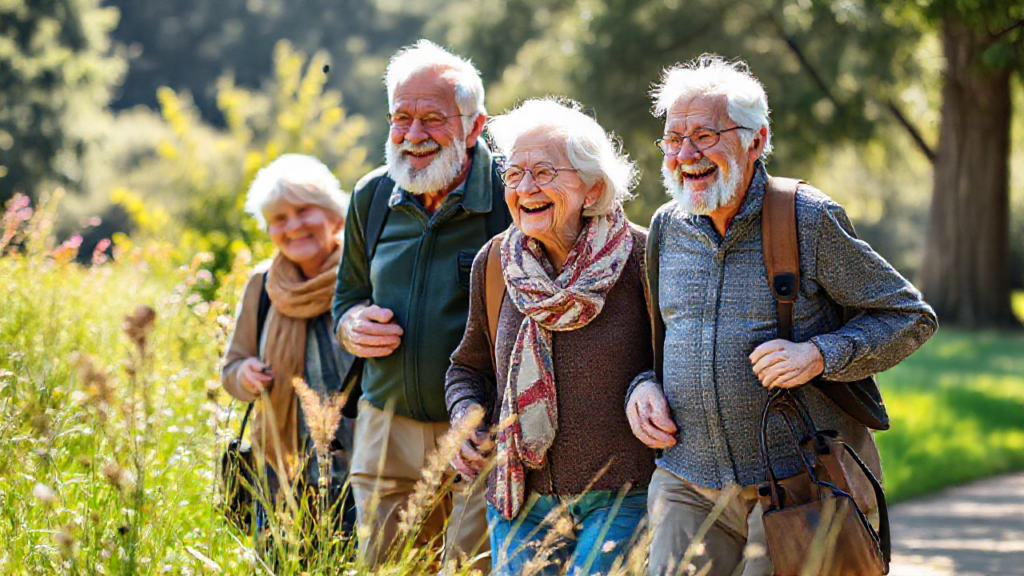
[(296, 300), (568, 300)]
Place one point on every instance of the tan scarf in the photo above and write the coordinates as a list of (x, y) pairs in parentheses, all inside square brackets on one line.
[(295, 300)]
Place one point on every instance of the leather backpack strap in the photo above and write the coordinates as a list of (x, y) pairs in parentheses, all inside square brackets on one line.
[(653, 273), (780, 248), (494, 290)]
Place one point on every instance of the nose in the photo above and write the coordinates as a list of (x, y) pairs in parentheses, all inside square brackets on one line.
[(527, 186), (687, 153), (416, 133)]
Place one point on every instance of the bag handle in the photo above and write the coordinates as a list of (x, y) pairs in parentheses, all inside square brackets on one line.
[(653, 270)]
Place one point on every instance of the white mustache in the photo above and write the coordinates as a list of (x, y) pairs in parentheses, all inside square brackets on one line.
[(701, 166), (426, 146)]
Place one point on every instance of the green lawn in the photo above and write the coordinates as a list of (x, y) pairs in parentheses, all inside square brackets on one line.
[(957, 409)]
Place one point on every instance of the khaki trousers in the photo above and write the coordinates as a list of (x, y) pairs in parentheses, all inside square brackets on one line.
[(735, 544), (382, 484)]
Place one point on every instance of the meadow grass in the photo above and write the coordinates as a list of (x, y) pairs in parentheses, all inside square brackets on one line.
[(109, 438), (957, 409)]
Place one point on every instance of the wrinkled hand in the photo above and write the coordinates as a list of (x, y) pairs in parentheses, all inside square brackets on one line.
[(255, 378), (785, 364), (650, 417), (475, 451), (369, 331)]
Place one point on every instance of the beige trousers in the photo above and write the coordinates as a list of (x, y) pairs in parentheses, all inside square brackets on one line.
[(735, 544), (389, 455)]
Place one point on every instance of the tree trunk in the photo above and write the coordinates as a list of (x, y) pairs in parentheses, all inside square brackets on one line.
[(964, 275)]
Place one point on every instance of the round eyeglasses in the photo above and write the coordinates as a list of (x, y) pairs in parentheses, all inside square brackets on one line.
[(404, 121), (701, 139), (542, 172)]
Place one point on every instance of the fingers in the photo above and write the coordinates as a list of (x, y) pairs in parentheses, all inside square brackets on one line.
[(769, 360), (370, 351), (776, 372), (364, 339), (647, 432), (462, 468), (372, 328), (767, 348), (659, 414), (377, 314), (470, 454)]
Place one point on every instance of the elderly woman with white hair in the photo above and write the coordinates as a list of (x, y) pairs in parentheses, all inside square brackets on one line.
[(570, 333), (283, 324)]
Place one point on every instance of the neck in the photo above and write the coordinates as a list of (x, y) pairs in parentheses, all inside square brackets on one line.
[(431, 201), (311, 268), (557, 248), (722, 217)]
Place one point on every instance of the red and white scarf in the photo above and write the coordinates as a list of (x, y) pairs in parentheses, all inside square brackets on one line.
[(562, 302)]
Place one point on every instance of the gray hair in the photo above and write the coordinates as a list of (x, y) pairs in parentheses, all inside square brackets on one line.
[(295, 177), (712, 75), (425, 55), (593, 153)]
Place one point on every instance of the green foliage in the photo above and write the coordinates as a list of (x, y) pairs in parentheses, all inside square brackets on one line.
[(205, 173), (55, 63), (957, 409)]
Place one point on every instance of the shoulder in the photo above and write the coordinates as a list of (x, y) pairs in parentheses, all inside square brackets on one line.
[(812, 204), (639, 234), (364, 188), (480, 260), (254, 284)]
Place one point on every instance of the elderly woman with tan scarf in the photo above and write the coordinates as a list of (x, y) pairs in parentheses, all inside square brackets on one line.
[(302, 207)]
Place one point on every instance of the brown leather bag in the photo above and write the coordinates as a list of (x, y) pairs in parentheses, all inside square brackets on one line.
[(816, 518), (813, 522)]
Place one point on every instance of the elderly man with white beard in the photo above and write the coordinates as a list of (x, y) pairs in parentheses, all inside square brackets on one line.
[(721, 351), (402, 295)]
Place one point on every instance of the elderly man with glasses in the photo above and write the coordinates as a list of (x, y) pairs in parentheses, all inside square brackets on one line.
[(722, 352), (402, 295)]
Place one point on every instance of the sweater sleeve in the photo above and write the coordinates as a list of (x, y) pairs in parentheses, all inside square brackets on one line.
[(892, 321), (470, 379), (243, 343)]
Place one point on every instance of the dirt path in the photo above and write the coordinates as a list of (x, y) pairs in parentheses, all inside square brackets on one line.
[(972, 530)]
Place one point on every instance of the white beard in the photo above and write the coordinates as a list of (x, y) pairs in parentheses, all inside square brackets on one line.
[(719, 193), (437, 176)]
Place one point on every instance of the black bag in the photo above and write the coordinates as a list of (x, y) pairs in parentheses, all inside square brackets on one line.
[(236, 471)]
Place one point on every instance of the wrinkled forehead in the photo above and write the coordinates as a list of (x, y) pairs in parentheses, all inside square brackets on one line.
[(541, 144), (690, 112), (426, 89)]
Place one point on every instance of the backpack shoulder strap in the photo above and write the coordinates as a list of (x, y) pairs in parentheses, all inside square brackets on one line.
[(494, 290), (377, 214), (498, 219), (653, 305), (261, 321), (780, 248)]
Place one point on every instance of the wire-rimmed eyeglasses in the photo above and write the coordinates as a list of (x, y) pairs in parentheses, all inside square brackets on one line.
[(542, 172), (701, 139)]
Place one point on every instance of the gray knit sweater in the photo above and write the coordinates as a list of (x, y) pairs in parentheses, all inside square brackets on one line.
[(717, 308)]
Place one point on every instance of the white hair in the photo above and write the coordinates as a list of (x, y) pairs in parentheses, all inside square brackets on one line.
[(711, 75), (295, 177), (593, 153), (425, 55)]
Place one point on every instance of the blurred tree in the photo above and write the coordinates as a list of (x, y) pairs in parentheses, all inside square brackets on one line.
[(188, 44), (965, 272), (836, 72), (55, 63), (209, 172)]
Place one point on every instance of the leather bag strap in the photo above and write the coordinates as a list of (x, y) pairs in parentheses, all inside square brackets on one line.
[(494, 291), (780, 248), (653, 271), (261, 320)]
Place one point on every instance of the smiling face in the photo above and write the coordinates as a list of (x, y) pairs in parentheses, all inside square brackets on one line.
[(304, 233), (422, 157), (551, 213), (703, 181)]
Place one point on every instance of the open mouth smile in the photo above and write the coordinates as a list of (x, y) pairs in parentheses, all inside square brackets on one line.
[(420, 153), (537, 208), (699, 175)]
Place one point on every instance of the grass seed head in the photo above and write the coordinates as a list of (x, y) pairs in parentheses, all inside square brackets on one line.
[(139, 324)]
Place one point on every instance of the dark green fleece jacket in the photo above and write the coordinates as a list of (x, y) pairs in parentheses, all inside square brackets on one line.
[(420, 271)]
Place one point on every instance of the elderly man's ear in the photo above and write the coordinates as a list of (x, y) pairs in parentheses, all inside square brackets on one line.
[(757, 145), (478, 129)]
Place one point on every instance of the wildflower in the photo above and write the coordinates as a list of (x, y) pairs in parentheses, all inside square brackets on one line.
[(608, 546), (117, 476), (43, 493), (65, 541), (323, 415), (99, 253), (139, 324)]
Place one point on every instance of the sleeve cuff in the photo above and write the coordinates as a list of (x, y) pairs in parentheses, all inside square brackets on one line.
[(836, 353), (642, 378)]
